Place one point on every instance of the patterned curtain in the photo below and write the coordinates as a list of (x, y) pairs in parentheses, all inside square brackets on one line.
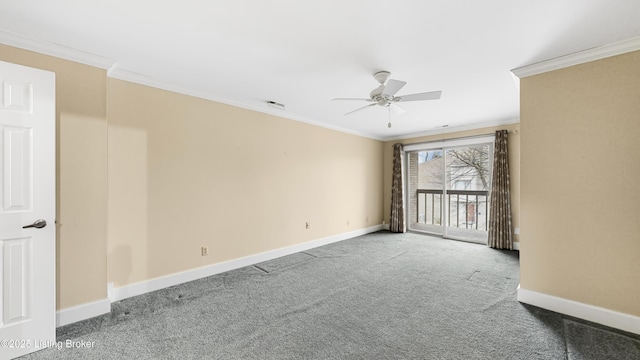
[(397, 193), (500, 235)]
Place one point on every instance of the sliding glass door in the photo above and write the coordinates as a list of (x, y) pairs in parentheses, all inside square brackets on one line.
[(448, 189)]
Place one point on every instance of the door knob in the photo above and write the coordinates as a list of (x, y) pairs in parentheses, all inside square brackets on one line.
[(38, 224)]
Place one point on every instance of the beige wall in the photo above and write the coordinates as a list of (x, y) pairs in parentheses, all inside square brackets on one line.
[(580, 147), (81, 175), (514, 164), (186, 172)]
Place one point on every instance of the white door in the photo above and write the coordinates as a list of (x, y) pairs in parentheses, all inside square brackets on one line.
[(27, 194)]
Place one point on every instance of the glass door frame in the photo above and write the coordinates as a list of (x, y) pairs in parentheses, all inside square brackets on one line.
[(444, 145)]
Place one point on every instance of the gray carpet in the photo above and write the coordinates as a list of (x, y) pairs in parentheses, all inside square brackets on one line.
[(378, 296), (594, 342)]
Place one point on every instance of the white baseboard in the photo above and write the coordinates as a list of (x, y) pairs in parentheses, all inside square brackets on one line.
[(82, 312), (580, 310), (86, 311), (120, 293)]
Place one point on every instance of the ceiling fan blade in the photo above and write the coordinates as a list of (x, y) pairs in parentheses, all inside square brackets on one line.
[(351, 99), (397, 109), (433, 95), (358, 109), (392, 87)]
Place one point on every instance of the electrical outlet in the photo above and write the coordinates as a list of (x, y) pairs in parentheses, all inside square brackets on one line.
[(347, 222), (307, 225), (205, 251)]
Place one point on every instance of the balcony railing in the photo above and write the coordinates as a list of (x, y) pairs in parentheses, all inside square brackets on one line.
[(467, 208)]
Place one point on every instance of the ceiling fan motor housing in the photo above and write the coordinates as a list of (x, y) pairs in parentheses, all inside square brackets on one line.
[(382, 76)]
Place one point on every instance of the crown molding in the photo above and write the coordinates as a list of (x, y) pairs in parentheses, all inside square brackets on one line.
[(116, 72), (577, 58), (53, 49), (113, 71)]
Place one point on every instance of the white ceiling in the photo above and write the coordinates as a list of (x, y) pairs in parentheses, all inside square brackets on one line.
[(304, 53)]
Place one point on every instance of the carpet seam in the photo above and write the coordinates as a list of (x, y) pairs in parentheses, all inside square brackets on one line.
[(261, 269), (564, 337)]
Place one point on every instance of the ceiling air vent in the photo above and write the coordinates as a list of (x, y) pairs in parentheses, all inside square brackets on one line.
[(275, 105)]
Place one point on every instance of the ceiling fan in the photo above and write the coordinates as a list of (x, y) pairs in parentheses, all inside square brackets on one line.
[(384, 95)]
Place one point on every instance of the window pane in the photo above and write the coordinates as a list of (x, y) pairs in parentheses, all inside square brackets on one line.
[(468, 183), (426, 179)]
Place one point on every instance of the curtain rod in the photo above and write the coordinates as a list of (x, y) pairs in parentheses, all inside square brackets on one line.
[(453, 140), (515, 131)]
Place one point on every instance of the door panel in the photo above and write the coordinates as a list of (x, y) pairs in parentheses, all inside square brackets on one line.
[(17, 184), (16, 254), (27, 182)]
